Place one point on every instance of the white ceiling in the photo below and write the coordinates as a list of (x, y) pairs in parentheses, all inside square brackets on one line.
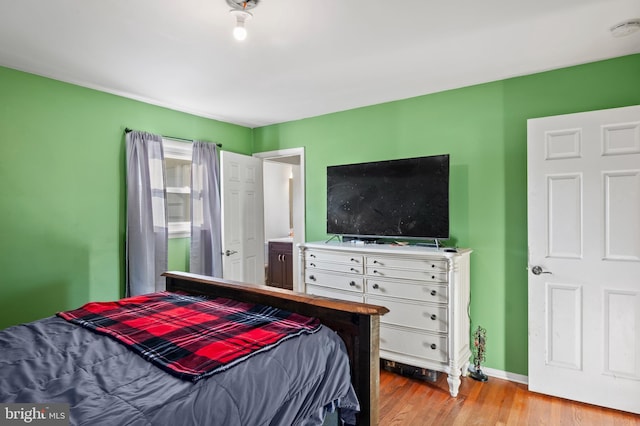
[(302, 58)]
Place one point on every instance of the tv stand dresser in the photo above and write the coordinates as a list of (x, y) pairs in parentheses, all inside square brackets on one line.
[(425, 289)]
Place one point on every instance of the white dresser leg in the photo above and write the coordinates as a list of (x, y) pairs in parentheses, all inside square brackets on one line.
[(465, 369), (454, 383)]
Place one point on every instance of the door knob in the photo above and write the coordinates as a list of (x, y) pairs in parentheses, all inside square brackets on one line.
[(229, 252), (537, 270)]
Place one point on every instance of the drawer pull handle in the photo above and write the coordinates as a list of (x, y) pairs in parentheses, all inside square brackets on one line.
[(312, 255), (375, 271), (433, 277), (433, 266), (433, 317), (433, 346), (375, 261), (375, 286), (354, 270), (352, 283), (353, 260), (433, 292), (312, 278), (312, 264)]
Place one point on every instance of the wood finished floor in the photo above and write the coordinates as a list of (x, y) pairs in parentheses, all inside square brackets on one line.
[(406, 401)]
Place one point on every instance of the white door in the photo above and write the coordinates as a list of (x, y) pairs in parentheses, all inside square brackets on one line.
[(242, 218), (584, 257)]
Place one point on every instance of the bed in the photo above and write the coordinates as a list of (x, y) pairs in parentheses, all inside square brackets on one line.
[(53, 360)]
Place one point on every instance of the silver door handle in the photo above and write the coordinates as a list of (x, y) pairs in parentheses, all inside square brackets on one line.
[(229, 252), (537, 270)]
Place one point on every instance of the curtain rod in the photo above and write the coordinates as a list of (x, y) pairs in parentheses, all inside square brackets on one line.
[(128, 130)]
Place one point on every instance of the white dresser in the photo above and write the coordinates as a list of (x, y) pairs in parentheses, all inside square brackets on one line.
[(425, 289)]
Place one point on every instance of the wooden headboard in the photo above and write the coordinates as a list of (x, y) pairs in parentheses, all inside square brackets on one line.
[(358, 324)]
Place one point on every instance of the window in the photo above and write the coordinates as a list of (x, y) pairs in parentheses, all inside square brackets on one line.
[(177, 162)]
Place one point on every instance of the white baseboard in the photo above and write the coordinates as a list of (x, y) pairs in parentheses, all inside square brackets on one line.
[(505, 375)]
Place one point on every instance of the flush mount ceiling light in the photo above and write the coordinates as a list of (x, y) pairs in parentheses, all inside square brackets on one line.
[(240, 10), (625, 28)]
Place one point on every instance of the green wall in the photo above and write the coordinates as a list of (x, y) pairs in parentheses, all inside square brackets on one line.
[(483, 127), (62, 170), (178, 256), (62, 204)]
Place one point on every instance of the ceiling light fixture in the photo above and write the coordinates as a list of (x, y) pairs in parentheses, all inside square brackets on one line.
[(240, 10), (625, 28)]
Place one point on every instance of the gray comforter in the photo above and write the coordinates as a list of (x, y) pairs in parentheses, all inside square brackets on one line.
[(105, 383)]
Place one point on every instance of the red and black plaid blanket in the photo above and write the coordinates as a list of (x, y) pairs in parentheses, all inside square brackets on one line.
[(189, 336)]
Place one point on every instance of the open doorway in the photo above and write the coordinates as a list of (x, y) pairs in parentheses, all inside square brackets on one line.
[(284, 203)]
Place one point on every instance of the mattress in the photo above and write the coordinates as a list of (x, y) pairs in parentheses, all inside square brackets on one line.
[(105, 383)]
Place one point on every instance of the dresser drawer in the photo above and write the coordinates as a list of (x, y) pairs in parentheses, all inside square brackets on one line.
[(419, 345), (400, 263), (334, 267), (409, 274), (348, 283), (422, 316), (408, 290), (334, 294), (336, 257)]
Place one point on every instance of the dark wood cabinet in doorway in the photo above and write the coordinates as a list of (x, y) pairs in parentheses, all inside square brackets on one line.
[(280, 272)]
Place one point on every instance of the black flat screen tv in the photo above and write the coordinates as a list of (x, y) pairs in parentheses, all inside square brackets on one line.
[(406, 198)]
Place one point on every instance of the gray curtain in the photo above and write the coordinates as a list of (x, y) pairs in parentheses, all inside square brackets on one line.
[(146, 246), (206, 244)]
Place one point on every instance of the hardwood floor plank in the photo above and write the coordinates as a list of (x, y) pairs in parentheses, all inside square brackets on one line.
[(517, 413), (408, 401)]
